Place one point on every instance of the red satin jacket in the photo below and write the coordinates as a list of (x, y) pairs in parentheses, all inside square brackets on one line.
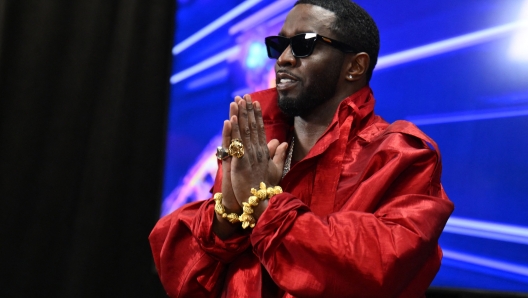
[(360, 216)]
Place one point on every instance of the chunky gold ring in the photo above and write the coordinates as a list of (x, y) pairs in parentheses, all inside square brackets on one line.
[(221, 153), (236, 148)]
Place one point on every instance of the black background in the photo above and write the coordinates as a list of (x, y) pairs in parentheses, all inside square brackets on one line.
[(83, 103)]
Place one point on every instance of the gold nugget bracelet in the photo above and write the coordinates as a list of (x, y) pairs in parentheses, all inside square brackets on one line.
[(220, 209), (246, 218), (262, 194)]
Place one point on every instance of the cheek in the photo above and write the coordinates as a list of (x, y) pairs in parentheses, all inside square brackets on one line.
[(323, 73), (315, 71)]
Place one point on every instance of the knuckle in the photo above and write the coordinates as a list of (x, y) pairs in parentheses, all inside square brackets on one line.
[(247, 131)]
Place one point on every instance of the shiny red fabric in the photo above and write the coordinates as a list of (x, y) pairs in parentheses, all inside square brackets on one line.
[(360, 217)]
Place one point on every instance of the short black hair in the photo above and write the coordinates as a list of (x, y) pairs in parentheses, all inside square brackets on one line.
[(353, 26)]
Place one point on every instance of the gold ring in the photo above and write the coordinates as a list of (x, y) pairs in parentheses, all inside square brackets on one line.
[(236, 148), (221, 153)]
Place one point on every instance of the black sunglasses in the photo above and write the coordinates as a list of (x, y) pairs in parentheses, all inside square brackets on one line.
[(302, 45)]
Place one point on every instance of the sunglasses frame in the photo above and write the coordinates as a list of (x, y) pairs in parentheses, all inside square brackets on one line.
[(306, 36)]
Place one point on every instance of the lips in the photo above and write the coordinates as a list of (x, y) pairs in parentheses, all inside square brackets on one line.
[(285, 80)]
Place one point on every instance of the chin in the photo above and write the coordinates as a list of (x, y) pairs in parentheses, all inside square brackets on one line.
[(290, 106)]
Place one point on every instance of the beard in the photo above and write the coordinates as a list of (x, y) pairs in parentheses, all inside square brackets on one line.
[(302, 105), (310, 98)]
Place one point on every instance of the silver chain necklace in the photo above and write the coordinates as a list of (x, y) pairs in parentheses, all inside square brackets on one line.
[(287, 163)]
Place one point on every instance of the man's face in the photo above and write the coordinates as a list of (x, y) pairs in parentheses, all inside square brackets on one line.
[(304, 84)]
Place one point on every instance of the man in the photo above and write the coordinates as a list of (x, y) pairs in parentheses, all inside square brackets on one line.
[(362, 206)]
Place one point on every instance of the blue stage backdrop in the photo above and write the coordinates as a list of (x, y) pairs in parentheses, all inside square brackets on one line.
[(457, 69)]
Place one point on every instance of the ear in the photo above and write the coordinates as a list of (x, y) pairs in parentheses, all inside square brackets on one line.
[(357, 66)]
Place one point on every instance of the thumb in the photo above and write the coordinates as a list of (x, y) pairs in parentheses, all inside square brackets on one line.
[(280, 155), (272, 147)]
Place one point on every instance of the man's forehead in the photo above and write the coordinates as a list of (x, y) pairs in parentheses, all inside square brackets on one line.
[(304, 18)]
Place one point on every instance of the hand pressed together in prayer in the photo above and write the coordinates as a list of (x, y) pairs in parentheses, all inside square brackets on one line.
[(261, 162)]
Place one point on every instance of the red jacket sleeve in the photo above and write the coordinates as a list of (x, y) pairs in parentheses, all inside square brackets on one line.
[(190, 258), (389, 252)]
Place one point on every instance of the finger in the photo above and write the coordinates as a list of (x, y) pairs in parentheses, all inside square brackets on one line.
[(245, 131), (236, 134), (226, 139), (235, 128), (229, 201), (272, 147), (226, 134), (260, 126), (237, 99), (280, 155), (251, 120), (233, 109), (226, 163)]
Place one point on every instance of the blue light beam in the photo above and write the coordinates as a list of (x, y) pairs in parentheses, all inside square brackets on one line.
[(260, 16), (182, 75), (467, 116), (230, 15), (487, 230), (448, 45), (485, 262)]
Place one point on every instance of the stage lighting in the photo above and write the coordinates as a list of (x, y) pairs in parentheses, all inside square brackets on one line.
[(519, 46)]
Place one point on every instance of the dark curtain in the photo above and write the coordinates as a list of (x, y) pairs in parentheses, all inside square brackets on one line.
[(83, 104)]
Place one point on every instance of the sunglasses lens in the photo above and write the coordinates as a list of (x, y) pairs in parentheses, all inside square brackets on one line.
[(302, 46), (276, 45)]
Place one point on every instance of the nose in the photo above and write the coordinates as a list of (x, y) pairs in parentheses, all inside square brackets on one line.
[(287, 58)]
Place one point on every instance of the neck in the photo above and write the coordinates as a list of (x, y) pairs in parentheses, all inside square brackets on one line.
[(309, 128), (306, 135)]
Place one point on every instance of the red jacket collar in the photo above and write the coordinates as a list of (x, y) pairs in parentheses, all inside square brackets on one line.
[(358, 105)]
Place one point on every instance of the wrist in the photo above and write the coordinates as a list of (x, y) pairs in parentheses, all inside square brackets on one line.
[(257, 204), (221, 211), (222, 228), (258, 210)]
